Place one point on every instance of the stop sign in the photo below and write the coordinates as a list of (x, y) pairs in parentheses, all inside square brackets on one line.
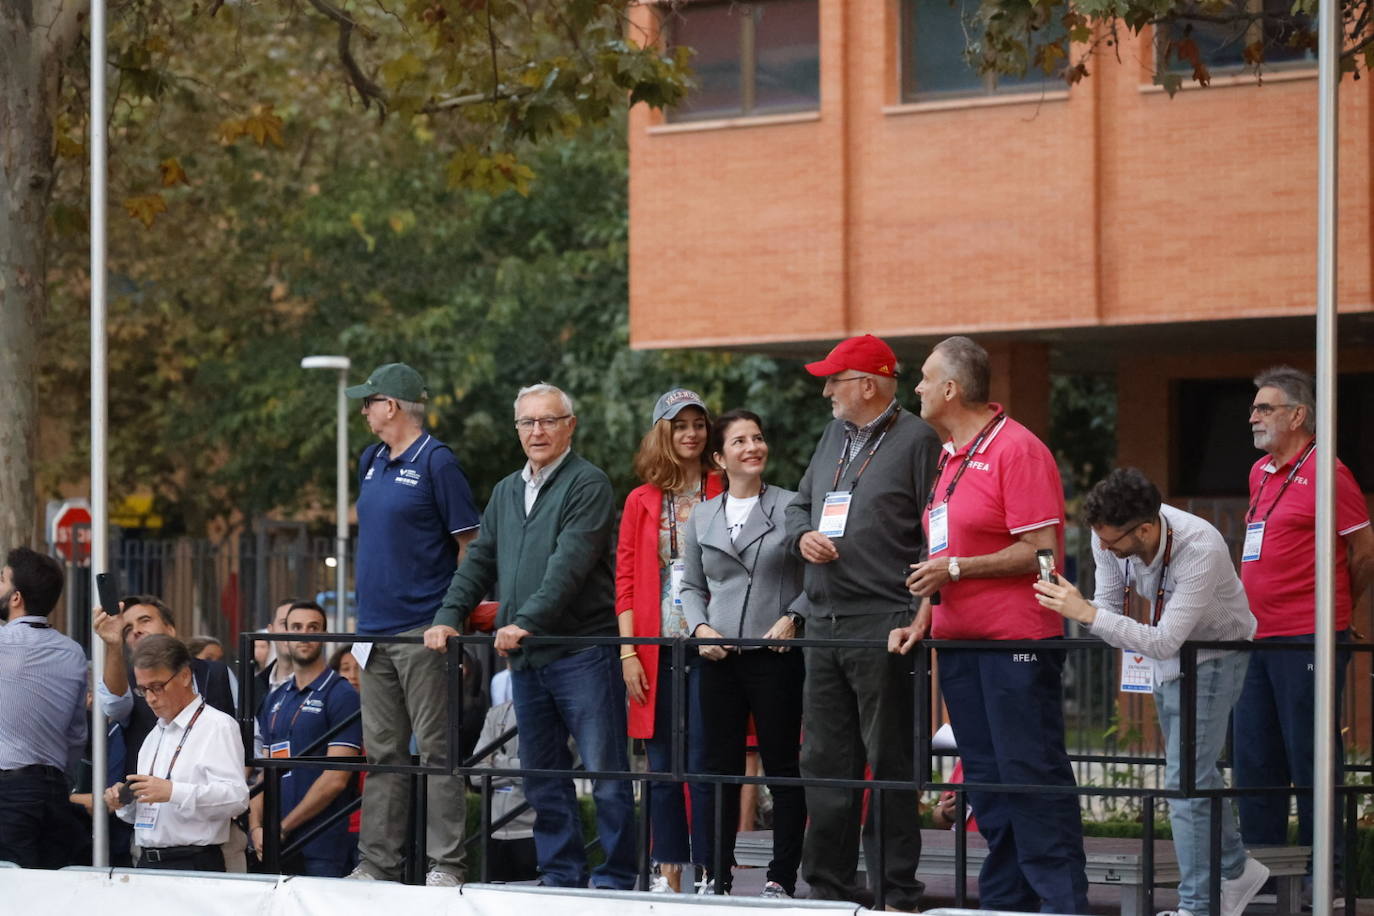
[(73, 543)]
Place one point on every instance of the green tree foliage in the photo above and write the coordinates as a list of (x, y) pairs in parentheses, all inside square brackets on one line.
[(223, 118), (1062, 37), (482, 293)]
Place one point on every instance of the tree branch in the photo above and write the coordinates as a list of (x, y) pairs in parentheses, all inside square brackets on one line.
[(369, 90)]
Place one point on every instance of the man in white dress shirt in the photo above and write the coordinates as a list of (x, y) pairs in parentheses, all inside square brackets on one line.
[(189, 782), (1181, 566)]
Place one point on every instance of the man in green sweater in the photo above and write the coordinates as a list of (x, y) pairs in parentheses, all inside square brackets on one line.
[(545, 543)]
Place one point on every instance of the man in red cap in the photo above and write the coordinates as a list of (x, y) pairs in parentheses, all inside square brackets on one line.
[(856, 521)]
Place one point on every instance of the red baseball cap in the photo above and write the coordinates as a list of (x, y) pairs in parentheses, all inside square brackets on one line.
[(859, 354)]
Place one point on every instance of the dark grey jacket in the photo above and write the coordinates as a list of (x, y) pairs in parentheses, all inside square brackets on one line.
[(883, 535), (741, 587)]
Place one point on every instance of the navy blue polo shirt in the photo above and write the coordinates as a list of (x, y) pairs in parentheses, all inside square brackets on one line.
[(291, 720), (409, 509)]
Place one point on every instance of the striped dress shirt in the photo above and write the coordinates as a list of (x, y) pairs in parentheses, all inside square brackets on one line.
[(42, 696), (1203, 597)]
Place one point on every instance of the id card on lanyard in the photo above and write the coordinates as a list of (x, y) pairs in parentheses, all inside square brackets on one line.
[(1254, 530), (939, 528), (835, 513), (1137, 672)]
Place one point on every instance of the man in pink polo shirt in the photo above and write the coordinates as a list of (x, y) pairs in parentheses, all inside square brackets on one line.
[(998, 499), (1273, 719)]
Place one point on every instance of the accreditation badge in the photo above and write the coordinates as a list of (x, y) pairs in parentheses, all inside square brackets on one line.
[(939, 528), (676, 572), (145, 815), (835, 513), (1137, 672), (1254, 540), (279, 749)]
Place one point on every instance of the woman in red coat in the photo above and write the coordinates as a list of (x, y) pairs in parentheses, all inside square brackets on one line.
[(672, 463)]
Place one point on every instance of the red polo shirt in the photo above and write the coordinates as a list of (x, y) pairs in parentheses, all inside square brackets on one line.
[(1281, 584), (1011, 486)]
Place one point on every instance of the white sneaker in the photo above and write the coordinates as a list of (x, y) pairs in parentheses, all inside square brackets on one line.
[(436, 878), (660, 885), (1236, 893), (359, 873), (1174, 913)]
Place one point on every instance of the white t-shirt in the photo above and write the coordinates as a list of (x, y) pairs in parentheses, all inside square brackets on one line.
[(736, 512)]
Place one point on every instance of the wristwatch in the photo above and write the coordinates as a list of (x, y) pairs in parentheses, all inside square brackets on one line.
[(954, 569)]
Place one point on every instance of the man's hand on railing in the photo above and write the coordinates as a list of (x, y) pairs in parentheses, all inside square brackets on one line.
[(508, 638), (436, 637), (903, 639)]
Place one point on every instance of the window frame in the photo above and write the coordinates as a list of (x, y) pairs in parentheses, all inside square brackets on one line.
[(748, 63)]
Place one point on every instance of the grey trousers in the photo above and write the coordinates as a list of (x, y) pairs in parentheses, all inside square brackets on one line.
[(404, 691), (857, 710)]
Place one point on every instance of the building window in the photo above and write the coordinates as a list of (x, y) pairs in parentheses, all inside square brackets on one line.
[(1229, 47), (750, 58), (936, 35)]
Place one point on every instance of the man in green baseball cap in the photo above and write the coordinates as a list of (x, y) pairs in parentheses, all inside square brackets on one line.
[(415, 519), (393, 380)]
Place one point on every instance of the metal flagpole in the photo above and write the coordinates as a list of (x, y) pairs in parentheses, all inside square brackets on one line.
[(341, 509), (100, 521), (1323, 752)]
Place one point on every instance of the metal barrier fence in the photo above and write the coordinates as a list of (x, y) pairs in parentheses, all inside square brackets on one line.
[(925, 693)]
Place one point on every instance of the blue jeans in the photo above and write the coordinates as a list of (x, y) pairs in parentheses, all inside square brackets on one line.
[(583, 696), (1274, 740), (668, 819), (1219, 682), (1007, 711)]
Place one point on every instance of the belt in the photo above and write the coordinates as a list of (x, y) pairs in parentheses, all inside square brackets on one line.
[(173, 853), (33, 769)]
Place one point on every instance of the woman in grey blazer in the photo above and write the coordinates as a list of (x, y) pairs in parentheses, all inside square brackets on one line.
[(739, 582)]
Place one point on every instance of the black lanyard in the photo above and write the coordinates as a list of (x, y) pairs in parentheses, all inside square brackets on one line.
[(968, 458), (670, 509), (1163, 570), (844, 453), (309, 692), (37, 626), (180, 744), (1254, 506)]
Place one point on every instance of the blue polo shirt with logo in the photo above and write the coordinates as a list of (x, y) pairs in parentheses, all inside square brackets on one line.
[(409, 509), (291, 720)]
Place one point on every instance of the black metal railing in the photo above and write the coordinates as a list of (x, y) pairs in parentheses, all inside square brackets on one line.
[(924, 713)]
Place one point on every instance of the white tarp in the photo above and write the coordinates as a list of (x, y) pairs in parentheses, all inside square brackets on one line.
[(62, 893)]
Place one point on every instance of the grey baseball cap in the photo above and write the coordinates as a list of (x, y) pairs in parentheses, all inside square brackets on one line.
[(672, 402), (393, 380)]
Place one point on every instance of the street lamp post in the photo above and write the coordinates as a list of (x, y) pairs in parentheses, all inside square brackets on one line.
[(341, 363)]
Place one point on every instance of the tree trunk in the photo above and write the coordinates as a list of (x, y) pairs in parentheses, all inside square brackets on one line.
[(36, 38)]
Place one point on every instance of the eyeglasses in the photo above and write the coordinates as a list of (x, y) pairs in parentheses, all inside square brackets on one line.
[(368, 402), (545, 423), (1111, 545), (1265, 410), (156, 690)]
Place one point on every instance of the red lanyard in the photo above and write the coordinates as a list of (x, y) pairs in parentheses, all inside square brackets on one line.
[(968, 457), (1163, 570), (180, 744), (1254, 506), (844, 453)]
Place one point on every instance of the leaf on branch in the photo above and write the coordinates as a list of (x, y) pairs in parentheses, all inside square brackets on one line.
[(355, 220), (1172, 82), (67, 148), (396, 72), (1187, 50), (1050, 56), (172, 173), (230, 131), (262, 125), (145, 208), (1253, 54)]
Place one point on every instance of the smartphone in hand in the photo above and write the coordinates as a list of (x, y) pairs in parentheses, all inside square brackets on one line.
[(126, 795), (107, 589), (1045, 560)]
